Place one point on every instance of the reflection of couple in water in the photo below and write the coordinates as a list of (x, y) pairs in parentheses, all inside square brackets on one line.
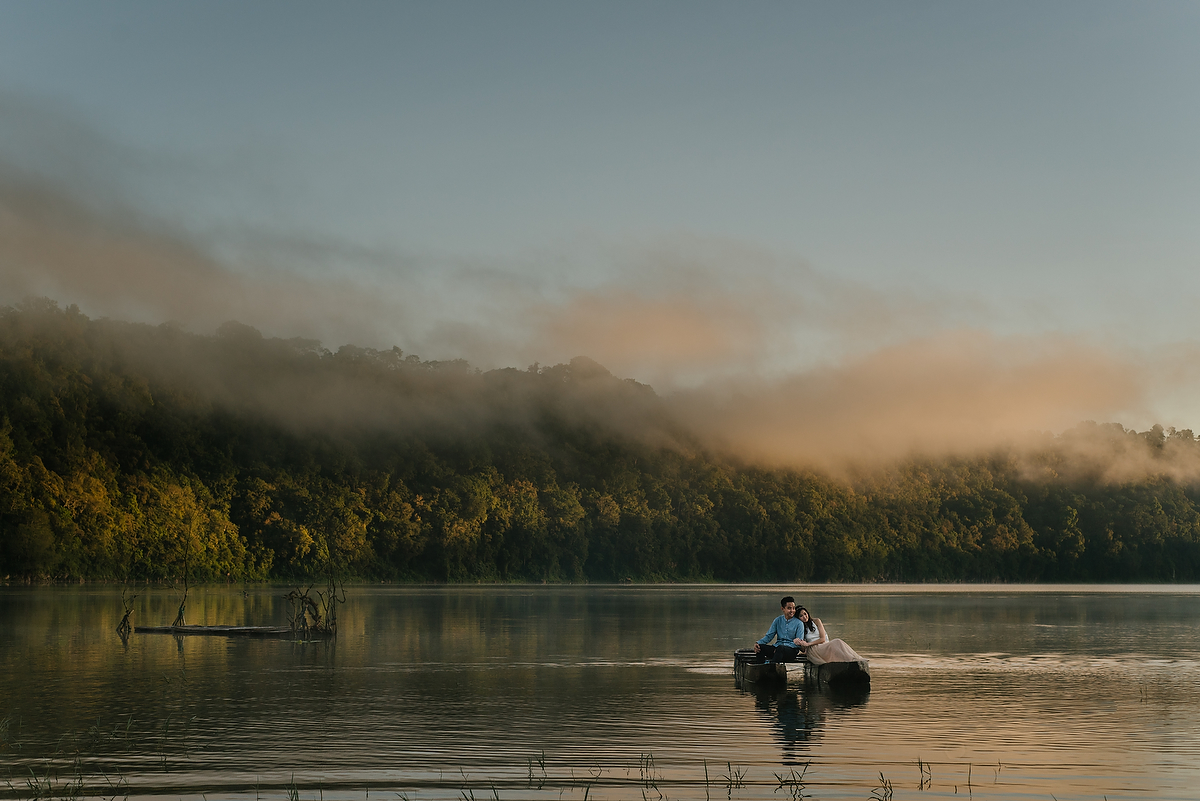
[(797, 716), (796, 632)]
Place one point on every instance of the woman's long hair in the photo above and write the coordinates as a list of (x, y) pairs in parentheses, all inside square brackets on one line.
[(808, 624)]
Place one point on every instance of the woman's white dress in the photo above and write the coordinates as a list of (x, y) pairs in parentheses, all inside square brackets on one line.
[(832, 651)]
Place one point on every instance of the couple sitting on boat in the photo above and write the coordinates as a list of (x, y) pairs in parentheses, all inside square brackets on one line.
[(796, 632)]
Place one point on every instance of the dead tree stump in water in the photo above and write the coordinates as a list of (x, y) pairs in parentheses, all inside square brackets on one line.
[(318, 615), (125, 627), (179, 621)]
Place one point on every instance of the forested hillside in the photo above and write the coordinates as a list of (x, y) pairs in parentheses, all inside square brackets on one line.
[(130, 451)]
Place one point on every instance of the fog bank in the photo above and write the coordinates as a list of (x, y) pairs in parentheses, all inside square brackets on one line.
[(751, 353)]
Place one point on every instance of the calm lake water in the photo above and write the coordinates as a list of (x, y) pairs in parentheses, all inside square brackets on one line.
[(603, 693)]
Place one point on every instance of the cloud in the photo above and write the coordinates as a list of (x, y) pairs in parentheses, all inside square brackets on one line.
[(676, 311), (117, 265), (954, 392), (679, 311), (759, 354), (86, 220)]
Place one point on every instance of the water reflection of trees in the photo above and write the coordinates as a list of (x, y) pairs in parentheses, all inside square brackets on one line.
[(797, 714)]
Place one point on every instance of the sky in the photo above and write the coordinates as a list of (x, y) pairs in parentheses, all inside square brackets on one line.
[(998, 204)]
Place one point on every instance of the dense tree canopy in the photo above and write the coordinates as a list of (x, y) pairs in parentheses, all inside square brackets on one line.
[(137, 452)]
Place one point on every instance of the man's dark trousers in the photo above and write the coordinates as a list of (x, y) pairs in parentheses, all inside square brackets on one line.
[(777, 653)]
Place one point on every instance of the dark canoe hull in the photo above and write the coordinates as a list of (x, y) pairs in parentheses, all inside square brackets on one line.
[(222, 631), (747, 668), (838, 674), (772, 673)]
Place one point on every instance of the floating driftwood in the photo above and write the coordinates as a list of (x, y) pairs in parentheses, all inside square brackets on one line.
[(223, 631), (748, 667)]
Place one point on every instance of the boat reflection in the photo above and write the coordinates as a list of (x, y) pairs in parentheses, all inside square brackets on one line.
[(798, 713)]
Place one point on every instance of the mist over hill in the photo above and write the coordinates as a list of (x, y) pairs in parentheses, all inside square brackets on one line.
[(128, 451)]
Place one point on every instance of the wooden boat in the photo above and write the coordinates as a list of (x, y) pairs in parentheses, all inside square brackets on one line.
[(838, 674), (747, 667)]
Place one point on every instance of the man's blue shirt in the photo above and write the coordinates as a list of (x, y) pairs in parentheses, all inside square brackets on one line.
[(786, 630)]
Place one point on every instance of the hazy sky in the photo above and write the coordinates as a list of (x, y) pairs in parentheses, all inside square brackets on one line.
[(687, 192)]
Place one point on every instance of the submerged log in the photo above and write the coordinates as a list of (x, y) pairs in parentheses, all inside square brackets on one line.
[(224, 631)]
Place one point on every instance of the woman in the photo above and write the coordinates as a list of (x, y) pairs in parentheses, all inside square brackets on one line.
[(818, 647)]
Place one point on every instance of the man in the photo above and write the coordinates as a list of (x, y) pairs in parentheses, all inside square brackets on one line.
[(788, 633)]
